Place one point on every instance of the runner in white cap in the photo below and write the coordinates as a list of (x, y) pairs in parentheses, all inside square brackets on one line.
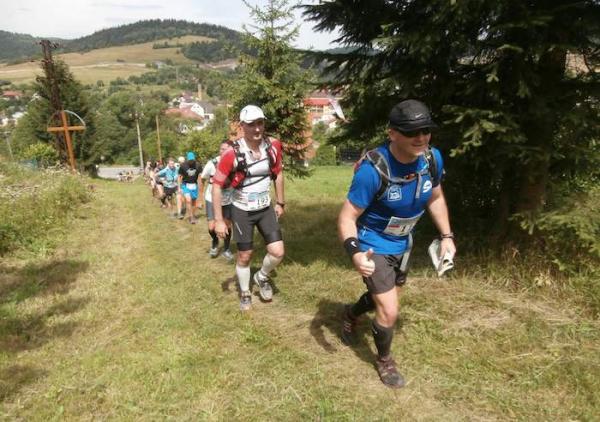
[(249, 167)]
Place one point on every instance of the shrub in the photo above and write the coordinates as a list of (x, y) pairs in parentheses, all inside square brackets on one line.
[(34, 204), (44, 154), (325, 156)]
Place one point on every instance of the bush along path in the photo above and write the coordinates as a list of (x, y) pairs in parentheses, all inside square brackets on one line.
[(131, 319)]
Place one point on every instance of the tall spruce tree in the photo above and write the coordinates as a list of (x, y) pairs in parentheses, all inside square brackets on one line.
[(32, 127), (273, 79), (514, 83)]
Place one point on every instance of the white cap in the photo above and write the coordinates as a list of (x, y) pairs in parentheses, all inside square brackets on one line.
[(181, 159), (251, 113)]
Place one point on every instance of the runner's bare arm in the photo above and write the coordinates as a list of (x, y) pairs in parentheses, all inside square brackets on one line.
[(347, 229), (220, 226), (438, 209), (279, 195)]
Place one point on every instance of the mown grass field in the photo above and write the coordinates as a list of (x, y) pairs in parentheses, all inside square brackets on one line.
[(106, 64), (129, 319)]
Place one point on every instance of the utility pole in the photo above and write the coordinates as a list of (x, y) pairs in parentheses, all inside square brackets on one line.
[(158, 139), (137, 126), (7, 138)]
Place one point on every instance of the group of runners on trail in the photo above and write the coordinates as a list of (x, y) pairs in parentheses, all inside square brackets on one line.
[(392, 187)]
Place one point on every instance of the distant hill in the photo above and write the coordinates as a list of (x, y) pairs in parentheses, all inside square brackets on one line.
[(226, 43), (150, 30), (19, 46)]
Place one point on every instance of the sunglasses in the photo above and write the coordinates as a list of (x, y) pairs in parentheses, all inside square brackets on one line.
[(416, 132)]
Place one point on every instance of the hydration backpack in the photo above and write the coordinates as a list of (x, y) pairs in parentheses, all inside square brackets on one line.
[(382, 167), (241, 169)]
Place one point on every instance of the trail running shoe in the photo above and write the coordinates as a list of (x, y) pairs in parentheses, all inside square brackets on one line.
[(348, 327), (213, 252), (265, 289), (180, 216), (245, 301), (386, 367), (227, 255)]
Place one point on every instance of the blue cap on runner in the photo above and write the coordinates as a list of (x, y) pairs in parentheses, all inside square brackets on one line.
[(191, 156)]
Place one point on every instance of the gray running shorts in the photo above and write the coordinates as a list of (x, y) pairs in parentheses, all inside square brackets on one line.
[(387, 274), (210, 212)]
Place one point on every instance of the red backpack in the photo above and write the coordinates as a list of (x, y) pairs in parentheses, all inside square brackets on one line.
[(240, 170)]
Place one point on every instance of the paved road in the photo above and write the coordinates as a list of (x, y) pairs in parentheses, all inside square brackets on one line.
[(113, 172)]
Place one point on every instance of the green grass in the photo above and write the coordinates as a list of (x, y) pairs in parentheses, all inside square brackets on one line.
[(34, 204), (129, 320)]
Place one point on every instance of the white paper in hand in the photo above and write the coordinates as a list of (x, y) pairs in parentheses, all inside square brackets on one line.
[(441, 264)]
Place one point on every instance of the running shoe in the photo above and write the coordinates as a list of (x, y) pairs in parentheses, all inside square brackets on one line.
[(265, 289), (386, 368), (227, 255), (245, 301), (348, 327), (213, 252), (180, 216)]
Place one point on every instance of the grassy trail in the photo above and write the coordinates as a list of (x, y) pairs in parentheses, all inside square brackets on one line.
[(130, 319)]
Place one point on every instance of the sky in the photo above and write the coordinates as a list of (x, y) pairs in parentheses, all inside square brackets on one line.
[(76, 18)]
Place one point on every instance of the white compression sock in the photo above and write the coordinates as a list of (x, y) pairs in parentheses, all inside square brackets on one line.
[(243, 276), (269, 264)]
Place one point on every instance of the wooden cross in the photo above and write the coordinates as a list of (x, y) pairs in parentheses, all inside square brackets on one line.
[(66, 129)]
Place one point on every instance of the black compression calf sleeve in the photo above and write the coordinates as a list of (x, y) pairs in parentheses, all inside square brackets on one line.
[(383, 339), (215, 239), (227, 240), (364, 304)]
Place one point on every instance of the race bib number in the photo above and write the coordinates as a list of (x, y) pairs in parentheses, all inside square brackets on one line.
[(258, 200), (191, 186), (398, 226)]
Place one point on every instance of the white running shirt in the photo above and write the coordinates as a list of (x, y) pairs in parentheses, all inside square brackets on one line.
[(208, 172), (253, 193)]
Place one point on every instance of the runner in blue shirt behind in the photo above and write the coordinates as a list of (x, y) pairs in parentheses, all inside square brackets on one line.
[(169, 176), (391, 189)]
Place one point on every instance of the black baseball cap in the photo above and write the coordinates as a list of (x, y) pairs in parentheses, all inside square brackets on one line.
[(410, 115)]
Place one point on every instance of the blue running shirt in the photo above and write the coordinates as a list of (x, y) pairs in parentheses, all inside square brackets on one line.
[(383, 225), (170, 176)]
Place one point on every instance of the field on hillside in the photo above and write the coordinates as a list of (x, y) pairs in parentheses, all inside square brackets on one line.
[(129, 319), (106, 64)]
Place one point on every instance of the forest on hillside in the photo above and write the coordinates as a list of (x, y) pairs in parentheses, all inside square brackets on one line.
[(227, 44)]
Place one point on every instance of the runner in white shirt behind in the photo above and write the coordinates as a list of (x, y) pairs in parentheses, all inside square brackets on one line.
[(207, 176)]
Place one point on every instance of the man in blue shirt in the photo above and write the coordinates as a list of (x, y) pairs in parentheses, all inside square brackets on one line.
[(390, 191), (169, 176)]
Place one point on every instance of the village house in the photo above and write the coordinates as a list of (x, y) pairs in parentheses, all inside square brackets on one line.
[(323, 106)]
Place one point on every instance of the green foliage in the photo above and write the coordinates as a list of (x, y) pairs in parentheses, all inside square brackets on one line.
[(326, 152), (18, 46), (43, 153), (205, 143), (325, 156), (39, 203), (571, 232), (515, 119), (31, 129), (150, 30), (274, 80)]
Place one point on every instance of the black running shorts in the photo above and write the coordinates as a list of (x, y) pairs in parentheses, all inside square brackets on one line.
[(387, 274), (244, 222), (170, 191)]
